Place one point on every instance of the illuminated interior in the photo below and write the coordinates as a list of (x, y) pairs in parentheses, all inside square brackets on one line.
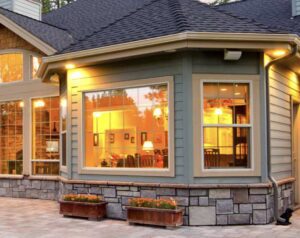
[(127, 128), (11, 67), (45, 136), (11, 137), (35, 64), (226, 125)]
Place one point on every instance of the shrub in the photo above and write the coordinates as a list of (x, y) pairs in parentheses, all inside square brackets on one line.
[(153, 203), (82, 198)]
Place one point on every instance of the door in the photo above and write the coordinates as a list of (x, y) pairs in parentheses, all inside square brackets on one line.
[(296, 149)]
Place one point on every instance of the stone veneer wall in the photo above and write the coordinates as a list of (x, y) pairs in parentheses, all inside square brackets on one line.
[(203, 205)]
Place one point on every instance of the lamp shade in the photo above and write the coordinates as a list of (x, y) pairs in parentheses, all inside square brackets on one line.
[(148, 146)]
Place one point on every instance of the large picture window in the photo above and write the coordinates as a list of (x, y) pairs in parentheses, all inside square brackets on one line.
[(226, 125), (11, 67), (45, 136), (127, 127), (11, 137)]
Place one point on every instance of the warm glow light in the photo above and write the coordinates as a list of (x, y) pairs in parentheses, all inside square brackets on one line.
[(236, 94), (97, 114), (223, 89), (157, 113), (148, 146), (278, 53), (21, 104), (70, 66), (39, 103), (218, 111), (63, 103)]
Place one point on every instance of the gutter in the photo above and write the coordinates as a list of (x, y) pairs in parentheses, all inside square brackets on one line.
[(271, 178)]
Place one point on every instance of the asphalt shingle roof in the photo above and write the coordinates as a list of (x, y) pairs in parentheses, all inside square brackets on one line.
[(55, 37), (273, 13), (88, 24), (153, 18)]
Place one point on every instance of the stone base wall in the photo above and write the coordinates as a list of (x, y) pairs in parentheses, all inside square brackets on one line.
[(237, 205), (202, 206), (27, 188)]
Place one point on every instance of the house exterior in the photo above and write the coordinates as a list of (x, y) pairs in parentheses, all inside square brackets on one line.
[(153, 98)]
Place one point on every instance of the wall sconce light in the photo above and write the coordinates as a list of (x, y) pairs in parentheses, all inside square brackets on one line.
[(70, 66)]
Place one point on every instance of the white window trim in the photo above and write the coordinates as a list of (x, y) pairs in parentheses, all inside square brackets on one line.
[(170, 172), (63, 168), (199, 170), (31, 140)]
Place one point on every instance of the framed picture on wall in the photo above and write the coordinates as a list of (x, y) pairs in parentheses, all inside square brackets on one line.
[(111, 138), (126, 136), (132, 140), (143, 137)]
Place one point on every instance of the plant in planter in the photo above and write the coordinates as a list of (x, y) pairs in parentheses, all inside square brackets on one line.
[(81, 205), (159, 212)]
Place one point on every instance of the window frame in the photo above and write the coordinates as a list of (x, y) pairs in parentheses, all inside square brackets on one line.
[(151, 172), (24, 66), (198, 98), (63, 168), (31, 160), (23, 137)]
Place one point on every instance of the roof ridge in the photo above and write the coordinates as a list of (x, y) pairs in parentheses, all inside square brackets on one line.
[(177, 12), (112, 23), (33, 19)]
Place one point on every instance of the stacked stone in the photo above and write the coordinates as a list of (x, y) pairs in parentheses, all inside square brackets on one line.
[(26, 188)]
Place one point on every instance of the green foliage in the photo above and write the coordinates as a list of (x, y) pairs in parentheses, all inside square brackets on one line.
[(49, 5)]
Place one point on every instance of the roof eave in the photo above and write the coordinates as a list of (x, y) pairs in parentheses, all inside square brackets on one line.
[(175, 42), (26, 35)]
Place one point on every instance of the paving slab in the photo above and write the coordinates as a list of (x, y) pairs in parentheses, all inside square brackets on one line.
[(30, 218)]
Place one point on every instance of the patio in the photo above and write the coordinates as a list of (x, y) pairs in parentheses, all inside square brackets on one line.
[(37, 218)]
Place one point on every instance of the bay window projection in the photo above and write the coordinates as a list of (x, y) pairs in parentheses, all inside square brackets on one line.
[(226, 125), (11, 67), (11, 137), (45, 136), (127, 128)]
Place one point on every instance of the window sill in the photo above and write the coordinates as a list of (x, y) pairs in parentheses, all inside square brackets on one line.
[(11, 176), (128, 172), (227, 173)]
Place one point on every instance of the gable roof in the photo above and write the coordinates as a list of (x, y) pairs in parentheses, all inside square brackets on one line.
[(99, 23), (273, 13), (51, 35)]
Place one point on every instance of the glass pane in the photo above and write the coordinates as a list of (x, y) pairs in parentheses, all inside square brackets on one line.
[(11, 67), (45, 131), (35, 64), (226, 103), (45, 168), (11, 137), (226, 147), (129, 130)]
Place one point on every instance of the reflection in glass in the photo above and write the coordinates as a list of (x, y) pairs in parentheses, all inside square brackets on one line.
[(11, 137), (45, 131), (226, 135), (118, 123)]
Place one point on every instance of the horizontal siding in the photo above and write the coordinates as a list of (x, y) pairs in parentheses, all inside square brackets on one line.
[(283, 85), (132, 70)]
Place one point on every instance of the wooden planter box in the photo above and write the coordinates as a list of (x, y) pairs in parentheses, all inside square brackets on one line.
[(156, 217), (92, 211)]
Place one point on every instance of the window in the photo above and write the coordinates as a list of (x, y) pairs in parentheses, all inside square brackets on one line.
[(63, 133), (11, 137), (127, 128), (45, 136), (35, 65), (226, 125), (11, 67)]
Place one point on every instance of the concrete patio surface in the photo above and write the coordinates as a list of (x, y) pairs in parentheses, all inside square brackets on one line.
[(24, 218)]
